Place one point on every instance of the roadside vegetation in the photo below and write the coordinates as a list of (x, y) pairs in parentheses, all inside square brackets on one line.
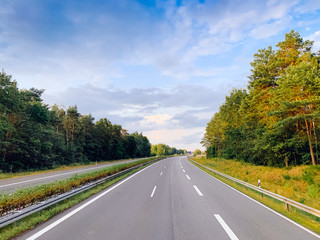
[(37, 218), (165, 150), (276, 120), (59, 168), (229, 167), (300, 183), (28, 196)]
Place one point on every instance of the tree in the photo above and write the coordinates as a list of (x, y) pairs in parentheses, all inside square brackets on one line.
[(197, 152), (275, 122), (298, 98)]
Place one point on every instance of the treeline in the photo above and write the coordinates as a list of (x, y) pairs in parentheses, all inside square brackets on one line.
[(164, 150), (276, 120), (32, 136)]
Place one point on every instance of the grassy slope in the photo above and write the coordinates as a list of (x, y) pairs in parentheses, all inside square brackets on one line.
[(37, 218), (301, 184)]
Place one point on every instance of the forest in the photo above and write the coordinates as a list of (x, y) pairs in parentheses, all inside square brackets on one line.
[(34, 136), (275, 121)]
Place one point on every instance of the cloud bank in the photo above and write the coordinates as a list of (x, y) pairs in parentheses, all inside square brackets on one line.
[(159, 67)]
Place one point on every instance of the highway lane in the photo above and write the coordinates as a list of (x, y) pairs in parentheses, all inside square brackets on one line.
[(171, 199), (12, 184)]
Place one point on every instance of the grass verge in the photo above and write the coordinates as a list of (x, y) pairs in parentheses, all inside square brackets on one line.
[(305, 219), (59, 168), (299, 183), (28, 196), (35, 219)]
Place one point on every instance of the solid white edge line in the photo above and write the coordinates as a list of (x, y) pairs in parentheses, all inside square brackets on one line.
[(153, 191), (198, 191), (226, 227), (56, 175), (188, 177), (52, 225), (60, 174), (280, 215)]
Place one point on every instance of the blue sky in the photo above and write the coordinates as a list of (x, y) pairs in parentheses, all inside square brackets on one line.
[(158, 67)]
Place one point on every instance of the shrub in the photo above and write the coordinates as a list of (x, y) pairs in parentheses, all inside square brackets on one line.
[(286, 177), (313, 190)]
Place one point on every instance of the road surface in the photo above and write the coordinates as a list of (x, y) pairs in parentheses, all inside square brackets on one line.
[(171, 199), (12, 184)]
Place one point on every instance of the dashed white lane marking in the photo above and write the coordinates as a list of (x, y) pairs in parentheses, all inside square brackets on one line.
[(161, 173), (183, 170), (198, 191), (165, 166), (264, 206), (54, 224), (188, 177), (226, 227), (181, 167), (153, 191)]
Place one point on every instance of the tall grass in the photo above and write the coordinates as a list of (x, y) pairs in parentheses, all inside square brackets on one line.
[(305, 219), (300, 183)]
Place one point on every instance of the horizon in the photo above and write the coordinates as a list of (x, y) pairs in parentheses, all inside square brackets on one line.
[(161, 68)]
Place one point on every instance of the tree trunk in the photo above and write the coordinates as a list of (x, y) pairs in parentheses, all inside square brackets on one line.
[(310, 142), (316, 140), (286, 161)]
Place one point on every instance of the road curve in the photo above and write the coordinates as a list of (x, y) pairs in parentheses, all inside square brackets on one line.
[(171, 199)]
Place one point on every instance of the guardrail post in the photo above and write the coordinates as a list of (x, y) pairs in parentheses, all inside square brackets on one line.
[(288, 209)]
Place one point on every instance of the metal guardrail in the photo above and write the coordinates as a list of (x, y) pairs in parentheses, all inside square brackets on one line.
[(17, 215), (285, 200)]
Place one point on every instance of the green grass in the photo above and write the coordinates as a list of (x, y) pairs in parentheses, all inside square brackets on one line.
[(299, 183), (35, 219), (58, 168), (305, 219), (28, 196)]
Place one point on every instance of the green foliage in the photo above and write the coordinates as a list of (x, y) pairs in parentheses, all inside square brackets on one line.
[(197, 152), (308, 176), (33, 136), (164, 150), (313, 190), (27, 196), (276, 121), (286, 177)]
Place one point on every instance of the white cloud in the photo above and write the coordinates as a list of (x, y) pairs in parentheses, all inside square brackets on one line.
[(307, 6), (96, 43), (316, 38), (182, 110), (78, 53), (179, 138), (155, 121), (270, 29)]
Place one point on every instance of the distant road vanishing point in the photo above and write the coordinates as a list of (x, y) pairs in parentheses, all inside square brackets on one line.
[(171, 199)]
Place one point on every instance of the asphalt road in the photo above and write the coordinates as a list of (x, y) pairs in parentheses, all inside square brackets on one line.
[(12, 184), (171, 199)]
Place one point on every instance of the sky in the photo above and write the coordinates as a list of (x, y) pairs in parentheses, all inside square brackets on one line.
[(158, 67)]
